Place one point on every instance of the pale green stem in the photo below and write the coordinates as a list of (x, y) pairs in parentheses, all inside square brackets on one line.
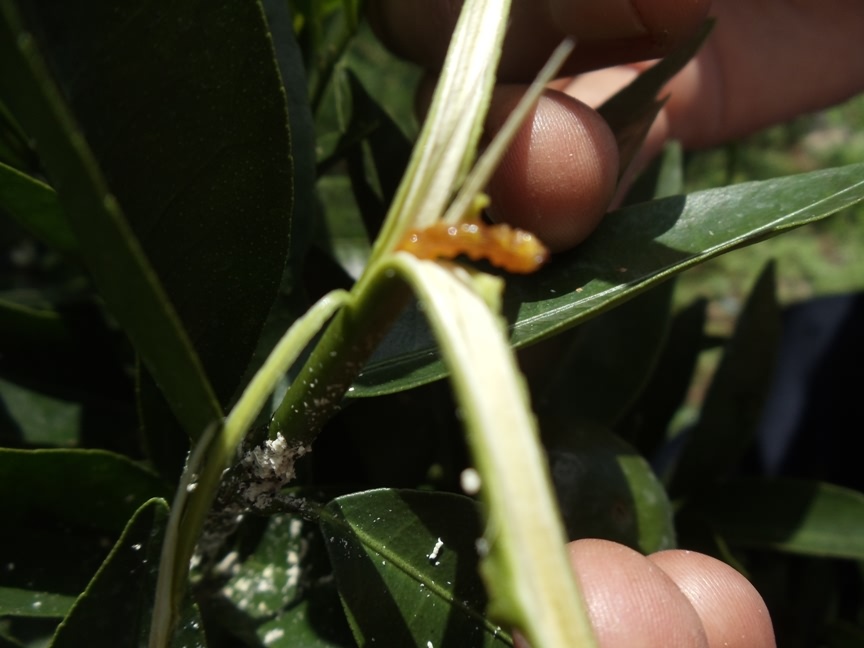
[(212, 455), (526, 568), (448, 141)]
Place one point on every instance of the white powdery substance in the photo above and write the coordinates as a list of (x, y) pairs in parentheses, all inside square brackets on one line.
[(269, 467), (273, 635)]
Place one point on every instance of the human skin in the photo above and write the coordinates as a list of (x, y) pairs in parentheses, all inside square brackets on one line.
[(670, 599), (765, 62)]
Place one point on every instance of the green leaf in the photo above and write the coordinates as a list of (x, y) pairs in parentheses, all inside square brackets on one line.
[(214, 453), (375, 167), (177, 142), (406, 567), (347, 238), (29, 603), (317, 621), (281, 586), (634, 248), (35, 206), (394, 92), (290, 61), (733, 406), (115, 608), (28, 325), (92, 488), (115, 258), (632, 110), (40, 419), (15, 149), (525, 567), (793, 516), (607, 490), (602, 365), (647, 422), (272, 575), (325, 29)]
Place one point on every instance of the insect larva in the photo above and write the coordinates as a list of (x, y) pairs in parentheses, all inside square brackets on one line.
[(506, 247)]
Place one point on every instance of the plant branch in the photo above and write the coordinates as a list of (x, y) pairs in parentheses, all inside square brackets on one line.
[(212, 455), (525, 566)]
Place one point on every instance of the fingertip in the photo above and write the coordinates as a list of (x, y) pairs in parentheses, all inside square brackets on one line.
[(559, 175), (733, 613), (630, 600)]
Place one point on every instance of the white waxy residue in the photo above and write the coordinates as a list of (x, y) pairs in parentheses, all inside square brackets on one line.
[(470, 481), (436, 551)]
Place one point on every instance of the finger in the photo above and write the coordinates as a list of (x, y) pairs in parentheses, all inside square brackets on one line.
[(608, 31), (767, 62), (559, 175), (732, 611), (631, 601), (763, 64)]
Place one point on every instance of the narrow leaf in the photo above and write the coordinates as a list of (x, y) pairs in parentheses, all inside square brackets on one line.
[(122, 273), (35, 206), (213, 453), (526, 569), (447, 143), (28, 325), (604, 364), (290, 61), (115, 608), (794, 516), (733, 406), (647, 422), (39, 419), (632, 110), (634, 248)]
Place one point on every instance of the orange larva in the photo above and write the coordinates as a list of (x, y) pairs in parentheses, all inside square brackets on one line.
[(506, 247)]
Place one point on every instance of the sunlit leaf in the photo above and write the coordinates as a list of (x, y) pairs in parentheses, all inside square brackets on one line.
[(634, 248), (318, 621), (538, 596), (406, 567)]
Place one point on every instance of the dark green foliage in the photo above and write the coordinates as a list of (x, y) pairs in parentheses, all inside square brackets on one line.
[(178, 181)]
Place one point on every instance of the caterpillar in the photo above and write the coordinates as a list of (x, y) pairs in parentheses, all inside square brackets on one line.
[(506, 247)]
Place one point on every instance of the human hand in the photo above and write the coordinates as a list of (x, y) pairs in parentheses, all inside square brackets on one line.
[(765, 62), (670, 599)]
